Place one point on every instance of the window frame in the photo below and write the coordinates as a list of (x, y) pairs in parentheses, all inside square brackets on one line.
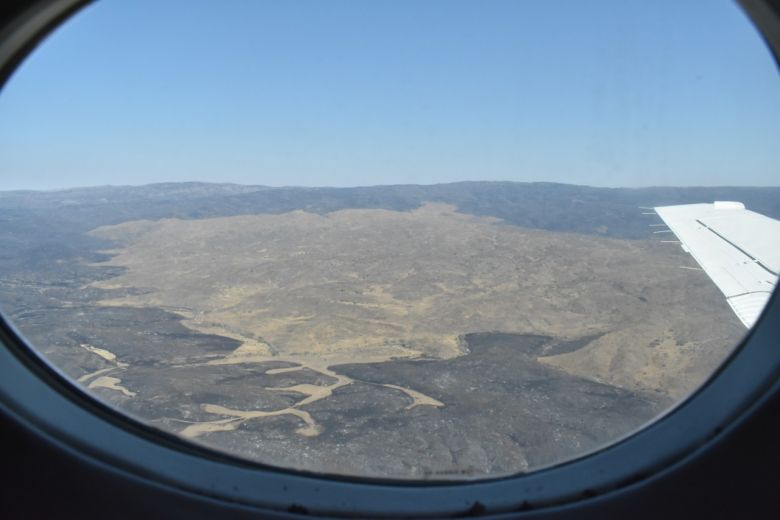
[(46, 404)]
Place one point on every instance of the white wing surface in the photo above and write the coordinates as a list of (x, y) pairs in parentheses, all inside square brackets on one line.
[(739, 250)]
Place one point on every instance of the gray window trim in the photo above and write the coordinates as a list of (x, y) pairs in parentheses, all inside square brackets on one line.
[(39, 397)]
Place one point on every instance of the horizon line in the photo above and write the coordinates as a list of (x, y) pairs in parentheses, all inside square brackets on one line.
[(357, 186)]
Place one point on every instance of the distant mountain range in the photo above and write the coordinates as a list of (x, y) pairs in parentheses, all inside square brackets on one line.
[(612, 212)]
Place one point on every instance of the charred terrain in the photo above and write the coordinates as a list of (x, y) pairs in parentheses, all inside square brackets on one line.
[(449, 331)]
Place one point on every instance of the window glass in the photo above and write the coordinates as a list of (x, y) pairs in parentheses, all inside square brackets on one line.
[(397, 239)]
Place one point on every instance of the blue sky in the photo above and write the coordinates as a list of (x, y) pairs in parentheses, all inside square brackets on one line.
[(340, 93)]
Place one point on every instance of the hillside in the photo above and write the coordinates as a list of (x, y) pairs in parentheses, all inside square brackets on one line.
[(450, 331)]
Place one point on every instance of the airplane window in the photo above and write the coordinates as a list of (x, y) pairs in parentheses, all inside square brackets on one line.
[(436, 240)]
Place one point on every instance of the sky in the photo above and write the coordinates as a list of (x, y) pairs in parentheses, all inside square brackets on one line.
[(355, 92)]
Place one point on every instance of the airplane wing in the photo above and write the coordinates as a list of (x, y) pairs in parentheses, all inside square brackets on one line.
[(738, 248)]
